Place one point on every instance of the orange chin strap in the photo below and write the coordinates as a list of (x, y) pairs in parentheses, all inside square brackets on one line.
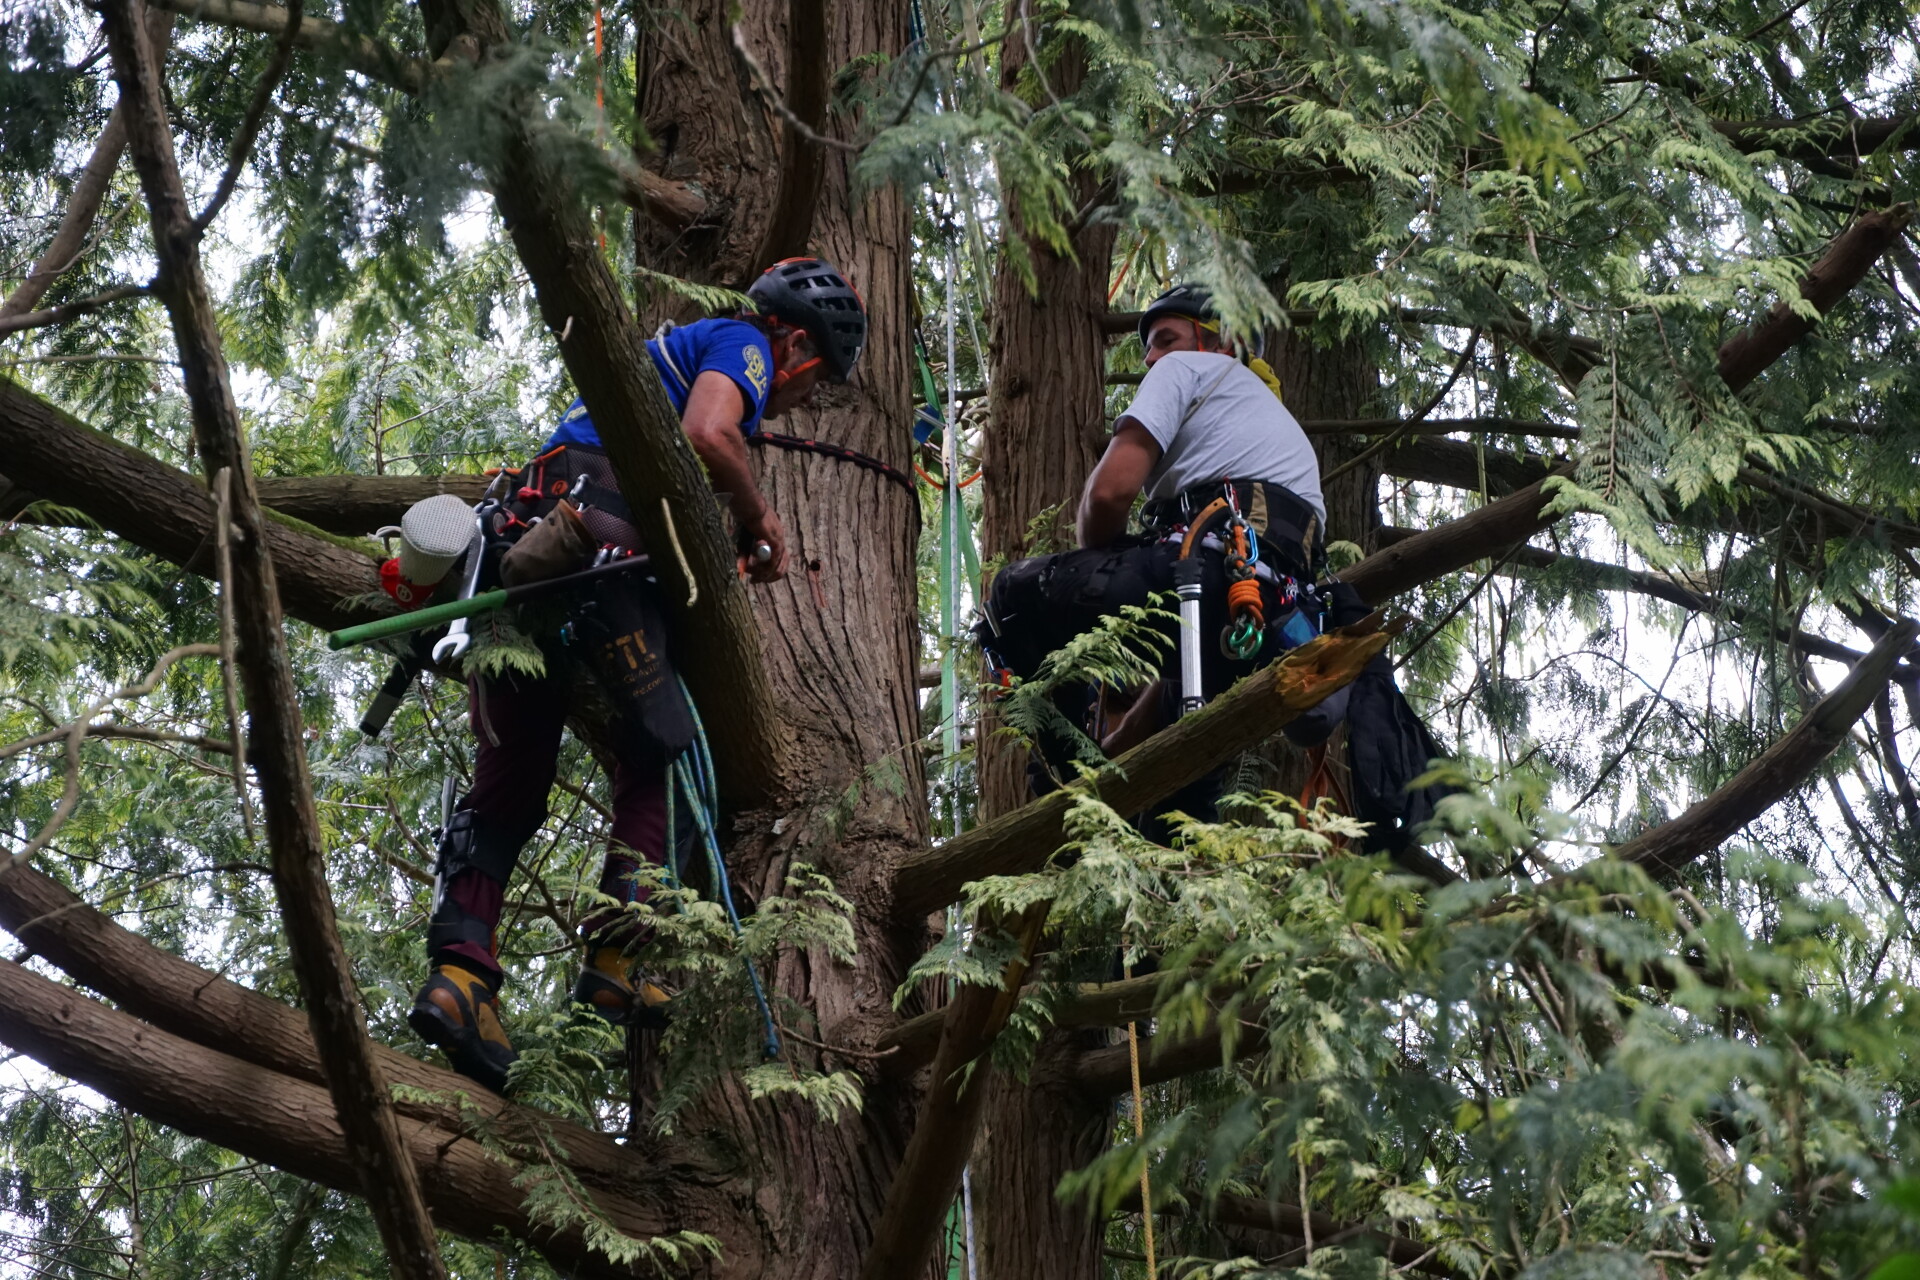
[(781, 377)]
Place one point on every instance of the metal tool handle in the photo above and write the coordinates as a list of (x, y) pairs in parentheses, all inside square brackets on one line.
[(1186, 583)]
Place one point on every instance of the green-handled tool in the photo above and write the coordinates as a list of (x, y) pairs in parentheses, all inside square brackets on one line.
[(483, 602)]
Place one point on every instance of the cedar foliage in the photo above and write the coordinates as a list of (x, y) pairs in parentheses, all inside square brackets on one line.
[(1526, 1073)]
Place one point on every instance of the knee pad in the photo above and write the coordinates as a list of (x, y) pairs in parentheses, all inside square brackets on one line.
[(471, 842)]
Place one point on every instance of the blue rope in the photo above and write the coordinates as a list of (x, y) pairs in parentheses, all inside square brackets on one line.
[(693, 771)]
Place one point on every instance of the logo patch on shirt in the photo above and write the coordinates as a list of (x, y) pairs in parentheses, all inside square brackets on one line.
[(756, 368)]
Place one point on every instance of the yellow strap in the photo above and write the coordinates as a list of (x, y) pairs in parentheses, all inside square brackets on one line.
[(1140, 1133)]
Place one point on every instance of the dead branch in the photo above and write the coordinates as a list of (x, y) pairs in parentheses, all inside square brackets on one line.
[(243, 141), (373, 1140), (66, 311)]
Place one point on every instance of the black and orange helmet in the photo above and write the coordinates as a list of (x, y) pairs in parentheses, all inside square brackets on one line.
[(811, 295)]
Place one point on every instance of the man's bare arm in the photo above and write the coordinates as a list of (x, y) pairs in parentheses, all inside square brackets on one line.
[(712, 423), (1115, 482)]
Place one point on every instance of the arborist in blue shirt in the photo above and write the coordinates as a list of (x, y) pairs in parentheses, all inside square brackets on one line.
[(723, 375)]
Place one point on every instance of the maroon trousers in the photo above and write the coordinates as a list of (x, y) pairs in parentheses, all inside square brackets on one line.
[(517, 721)]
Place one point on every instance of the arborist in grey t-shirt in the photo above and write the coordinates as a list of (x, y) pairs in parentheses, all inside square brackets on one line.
[(1200, 416)]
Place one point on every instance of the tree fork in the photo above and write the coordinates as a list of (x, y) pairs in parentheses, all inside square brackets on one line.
[(372, 1135), (666, 487)]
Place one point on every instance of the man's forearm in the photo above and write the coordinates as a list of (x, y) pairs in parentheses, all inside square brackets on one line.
[(1100, 521), (725, 456)]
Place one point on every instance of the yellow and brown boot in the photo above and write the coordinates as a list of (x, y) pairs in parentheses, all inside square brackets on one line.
[(608, 992), (459, 1012)]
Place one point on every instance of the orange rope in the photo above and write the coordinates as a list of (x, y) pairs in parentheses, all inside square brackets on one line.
[(941, 484)]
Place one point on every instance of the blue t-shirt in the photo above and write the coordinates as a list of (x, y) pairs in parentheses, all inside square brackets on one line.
[(732, 347)]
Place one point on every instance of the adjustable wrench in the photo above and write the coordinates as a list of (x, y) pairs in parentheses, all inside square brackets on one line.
[(454, 644)]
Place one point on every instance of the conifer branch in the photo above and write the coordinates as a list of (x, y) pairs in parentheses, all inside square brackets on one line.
[(291, 1124), (384, 1168), (328, 582), (675, 203), (1791, 759), (1251, 712)]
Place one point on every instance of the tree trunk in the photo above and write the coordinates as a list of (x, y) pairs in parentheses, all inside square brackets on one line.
[(1047, 430), (838, 634), (1334, 380)]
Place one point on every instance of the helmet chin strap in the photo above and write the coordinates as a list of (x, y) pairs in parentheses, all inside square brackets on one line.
[(783, 341)]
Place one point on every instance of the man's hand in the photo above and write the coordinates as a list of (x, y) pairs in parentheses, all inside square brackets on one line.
[(768, 531)]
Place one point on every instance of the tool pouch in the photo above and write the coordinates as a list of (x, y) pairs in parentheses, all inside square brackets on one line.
[(557, 545), (620, 632)]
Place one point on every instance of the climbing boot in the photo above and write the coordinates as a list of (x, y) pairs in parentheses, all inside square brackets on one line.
[(606, 990), (458, 1012)]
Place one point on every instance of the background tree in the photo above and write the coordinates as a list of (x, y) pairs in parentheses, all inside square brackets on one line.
[(1636, 285)]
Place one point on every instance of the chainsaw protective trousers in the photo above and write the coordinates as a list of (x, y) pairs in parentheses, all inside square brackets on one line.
[(517, 721)]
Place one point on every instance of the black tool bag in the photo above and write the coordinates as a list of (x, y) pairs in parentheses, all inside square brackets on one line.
[(578, 474), (1036, 606), (1388, 746), (619, 631)]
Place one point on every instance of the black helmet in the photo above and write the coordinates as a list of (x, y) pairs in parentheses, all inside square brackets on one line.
[(1196, 303), (1190, 300), (810, 295)]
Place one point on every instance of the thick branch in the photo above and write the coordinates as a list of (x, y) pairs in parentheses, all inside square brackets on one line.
[(373, 1140), (1835, 137), (1249, 713), (285, 1122), (673, 504), (949, 1116), (1669, 847), (1844, 264), (55, 457), (195, 1004), (357, 505)]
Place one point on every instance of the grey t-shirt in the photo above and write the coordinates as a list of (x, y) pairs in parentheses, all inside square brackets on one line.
[(1239, 430)]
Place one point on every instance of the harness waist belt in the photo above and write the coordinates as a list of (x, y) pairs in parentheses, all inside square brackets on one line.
[(1280, 516)]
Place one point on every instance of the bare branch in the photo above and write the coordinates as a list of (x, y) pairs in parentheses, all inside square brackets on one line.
[(75, 733), (1784, 765), (361, 1100), (256, 115), (18, 321)]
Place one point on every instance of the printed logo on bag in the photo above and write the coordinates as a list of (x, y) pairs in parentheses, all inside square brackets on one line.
[(628, 643), (756, 367)]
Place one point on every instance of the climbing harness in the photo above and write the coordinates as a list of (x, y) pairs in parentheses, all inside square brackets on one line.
[(839, 452), (692, 775)]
